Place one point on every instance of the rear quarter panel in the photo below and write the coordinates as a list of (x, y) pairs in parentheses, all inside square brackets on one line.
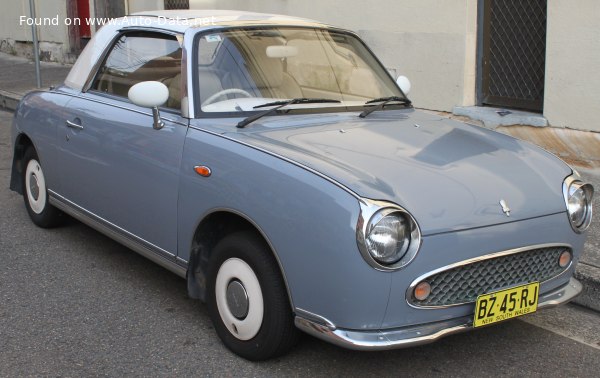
[(37, 117)]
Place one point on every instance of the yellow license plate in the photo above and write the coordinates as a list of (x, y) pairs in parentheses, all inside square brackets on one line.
[(506, 304)]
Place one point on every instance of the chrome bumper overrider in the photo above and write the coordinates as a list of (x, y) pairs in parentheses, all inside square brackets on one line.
[(413, 335)]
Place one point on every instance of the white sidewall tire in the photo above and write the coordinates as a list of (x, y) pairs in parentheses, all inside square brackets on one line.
[(237, 269), (34, 169)]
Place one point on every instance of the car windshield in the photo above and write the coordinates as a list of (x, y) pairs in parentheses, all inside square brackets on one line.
[(242, 69)]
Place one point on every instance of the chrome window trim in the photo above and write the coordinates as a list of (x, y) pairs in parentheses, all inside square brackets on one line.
[(368, 210), (153, 252), (494, 255)]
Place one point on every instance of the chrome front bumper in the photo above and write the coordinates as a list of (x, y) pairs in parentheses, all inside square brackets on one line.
[(413, 335)]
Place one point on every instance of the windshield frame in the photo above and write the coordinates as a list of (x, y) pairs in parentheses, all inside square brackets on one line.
[(304, 110)]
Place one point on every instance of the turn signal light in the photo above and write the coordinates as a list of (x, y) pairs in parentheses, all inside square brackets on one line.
[(202, 170), (565, 259), (422, 291)]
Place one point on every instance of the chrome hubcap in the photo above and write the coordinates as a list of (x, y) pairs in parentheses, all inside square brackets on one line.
[(237, 299), (34, 188)]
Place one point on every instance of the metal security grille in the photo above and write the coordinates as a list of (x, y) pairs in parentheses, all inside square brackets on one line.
[(514, 53), (177, 4), (464, 283)]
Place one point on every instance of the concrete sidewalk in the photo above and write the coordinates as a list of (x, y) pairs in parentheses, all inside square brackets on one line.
[(17, 77)]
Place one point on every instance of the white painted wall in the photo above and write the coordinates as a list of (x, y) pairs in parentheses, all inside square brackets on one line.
[(572, 87), (12, 10), (53, 38), (9, 27), (432, 42), (144, 5)]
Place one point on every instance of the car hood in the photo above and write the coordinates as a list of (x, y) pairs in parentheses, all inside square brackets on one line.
[(448, 174)]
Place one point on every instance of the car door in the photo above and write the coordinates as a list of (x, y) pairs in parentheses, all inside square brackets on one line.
[(113, 164)]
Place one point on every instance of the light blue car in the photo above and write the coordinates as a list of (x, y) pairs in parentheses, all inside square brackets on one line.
[(275, 164)]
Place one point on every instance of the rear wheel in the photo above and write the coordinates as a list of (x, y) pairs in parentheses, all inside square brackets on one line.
[(247, 299), (35, 193)]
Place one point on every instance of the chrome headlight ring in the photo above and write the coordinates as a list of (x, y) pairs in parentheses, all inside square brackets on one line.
[(578, 199), (379, 223)]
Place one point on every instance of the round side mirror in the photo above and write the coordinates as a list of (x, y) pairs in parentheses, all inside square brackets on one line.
[(404, 84), (148, 94)]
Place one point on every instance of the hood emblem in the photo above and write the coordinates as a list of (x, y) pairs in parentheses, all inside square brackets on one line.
[(505, 208)]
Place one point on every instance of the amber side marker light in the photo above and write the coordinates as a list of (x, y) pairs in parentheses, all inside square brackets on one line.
[(565, 259), (202, 170), (422, 291)]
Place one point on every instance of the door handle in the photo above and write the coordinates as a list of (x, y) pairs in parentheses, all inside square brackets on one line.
[(73, 125)]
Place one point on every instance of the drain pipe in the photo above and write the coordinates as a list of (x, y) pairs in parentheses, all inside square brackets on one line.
[(36, 51)]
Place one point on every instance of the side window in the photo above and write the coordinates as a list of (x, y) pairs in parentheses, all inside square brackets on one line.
[(142, 56)]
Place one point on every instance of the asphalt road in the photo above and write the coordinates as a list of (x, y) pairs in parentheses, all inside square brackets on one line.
[(75, 303)]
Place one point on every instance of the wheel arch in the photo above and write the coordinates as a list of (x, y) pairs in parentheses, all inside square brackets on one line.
[(214, 226), (22, 142)]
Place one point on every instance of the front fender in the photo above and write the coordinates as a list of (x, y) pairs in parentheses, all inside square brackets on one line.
[(309, 221)]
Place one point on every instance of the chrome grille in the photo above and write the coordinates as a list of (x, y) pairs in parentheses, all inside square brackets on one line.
[(464, 283)]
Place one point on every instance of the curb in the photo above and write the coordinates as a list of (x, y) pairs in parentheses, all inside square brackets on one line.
[(9, 100), (494, 117), (588, 275)]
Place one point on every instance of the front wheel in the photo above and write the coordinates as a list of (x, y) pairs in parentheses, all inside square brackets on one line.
[(247, 298), (35, 193)]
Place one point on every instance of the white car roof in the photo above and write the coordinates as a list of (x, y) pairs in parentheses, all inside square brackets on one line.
[(181, 20)]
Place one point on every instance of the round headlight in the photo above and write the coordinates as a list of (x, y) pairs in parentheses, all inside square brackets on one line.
[(388, 239), (577, 207), (578, 197)]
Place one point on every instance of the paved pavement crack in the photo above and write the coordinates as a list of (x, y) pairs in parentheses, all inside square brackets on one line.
[(590, 264)]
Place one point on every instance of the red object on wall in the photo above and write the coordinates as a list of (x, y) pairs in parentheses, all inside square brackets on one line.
[(83, 13)]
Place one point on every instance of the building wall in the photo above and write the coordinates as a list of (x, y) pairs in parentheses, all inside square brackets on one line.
[(16, 38), (572, 86), (431, 42), (144, 5)]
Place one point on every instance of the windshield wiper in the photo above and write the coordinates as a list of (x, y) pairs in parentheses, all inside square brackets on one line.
[(278, 105), (384, 101)]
